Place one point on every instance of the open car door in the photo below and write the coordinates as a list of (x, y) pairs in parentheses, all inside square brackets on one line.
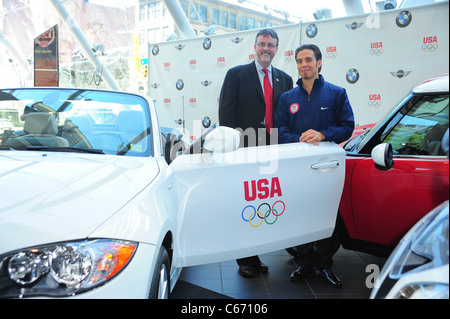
[(235, 203)]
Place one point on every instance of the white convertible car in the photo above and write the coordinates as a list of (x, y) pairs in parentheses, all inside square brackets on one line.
[(95, 202)]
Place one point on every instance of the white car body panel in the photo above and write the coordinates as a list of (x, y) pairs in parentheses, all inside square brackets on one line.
[(211, 224), (65, 196), (146, 218)]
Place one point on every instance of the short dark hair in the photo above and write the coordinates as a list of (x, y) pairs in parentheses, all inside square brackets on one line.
[(265, 33), (314, 48)]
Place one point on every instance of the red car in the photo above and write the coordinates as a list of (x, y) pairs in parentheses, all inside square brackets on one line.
[(383, 198)]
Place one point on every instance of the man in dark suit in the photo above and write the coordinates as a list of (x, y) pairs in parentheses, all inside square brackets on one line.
[(248, 98), (242, 101)]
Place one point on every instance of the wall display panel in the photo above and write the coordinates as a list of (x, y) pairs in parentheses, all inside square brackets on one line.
[(376, 57)]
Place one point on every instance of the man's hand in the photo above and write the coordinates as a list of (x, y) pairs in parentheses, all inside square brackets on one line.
[(312, 136)]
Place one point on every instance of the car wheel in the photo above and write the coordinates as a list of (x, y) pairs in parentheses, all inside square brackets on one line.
[(160, 287)]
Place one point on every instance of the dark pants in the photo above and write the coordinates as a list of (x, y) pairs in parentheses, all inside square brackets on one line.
[(248, 261), (318, 254)]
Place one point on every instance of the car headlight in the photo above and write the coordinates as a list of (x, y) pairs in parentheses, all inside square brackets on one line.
[(415, 267), (62, 269)]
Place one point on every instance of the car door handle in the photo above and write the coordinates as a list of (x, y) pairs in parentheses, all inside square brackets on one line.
[(331, 164)]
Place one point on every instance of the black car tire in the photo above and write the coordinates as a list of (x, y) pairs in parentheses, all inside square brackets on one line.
[(160, 286)]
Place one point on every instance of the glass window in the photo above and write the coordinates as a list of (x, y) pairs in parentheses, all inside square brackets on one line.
[(216, 17), (154, 35), (233, 21), (142, 38), (154, 9), (251, 24), (142, 12), (224, 19), (243, 23), (166, 32), (184, 6), (421, 129), (204, 13), (194, 9)]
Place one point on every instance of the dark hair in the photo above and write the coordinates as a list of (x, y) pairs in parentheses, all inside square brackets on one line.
[(266, 32), (314, 48)]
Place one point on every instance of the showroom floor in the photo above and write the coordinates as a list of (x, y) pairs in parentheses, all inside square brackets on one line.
[(223, 278)]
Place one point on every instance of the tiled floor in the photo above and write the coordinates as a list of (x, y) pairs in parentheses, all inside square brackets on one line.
[(349, 266)]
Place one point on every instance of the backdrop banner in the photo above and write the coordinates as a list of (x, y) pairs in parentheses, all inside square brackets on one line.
[(376, 57)]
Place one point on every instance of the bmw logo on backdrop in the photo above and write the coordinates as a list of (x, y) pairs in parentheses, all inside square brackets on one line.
[(180, 84), (312, 30), (207, 44), (403, 19), (155, 50), (206, 122), (352, 76)]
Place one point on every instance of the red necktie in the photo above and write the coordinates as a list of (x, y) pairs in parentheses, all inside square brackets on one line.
[(268, 98)]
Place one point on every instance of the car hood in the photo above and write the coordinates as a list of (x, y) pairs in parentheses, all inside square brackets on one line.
[(51, 197)]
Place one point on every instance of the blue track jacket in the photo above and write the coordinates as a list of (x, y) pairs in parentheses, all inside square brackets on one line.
[(326, 110)]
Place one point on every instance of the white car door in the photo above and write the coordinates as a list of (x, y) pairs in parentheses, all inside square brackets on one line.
[(255, 200)]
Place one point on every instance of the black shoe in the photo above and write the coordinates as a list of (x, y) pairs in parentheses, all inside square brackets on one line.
[(246, 271), (300, 273), (262, 268), (328, 275)]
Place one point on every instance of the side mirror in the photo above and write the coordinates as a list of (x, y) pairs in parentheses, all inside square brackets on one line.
[(222, 140), (383, 156), (173, 147)]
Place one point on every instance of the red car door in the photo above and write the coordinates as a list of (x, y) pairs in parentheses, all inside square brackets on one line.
[(380, 206), (389, 203)]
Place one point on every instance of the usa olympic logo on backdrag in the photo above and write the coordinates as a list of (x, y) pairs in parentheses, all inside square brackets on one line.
[(263, 213)]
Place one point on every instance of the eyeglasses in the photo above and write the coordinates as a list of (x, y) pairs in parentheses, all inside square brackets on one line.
[(269, 45)]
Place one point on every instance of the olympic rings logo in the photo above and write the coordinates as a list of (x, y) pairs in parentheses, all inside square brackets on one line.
[(430, 47), (288, 59), (376, 52), (331, 55), (221, 65), (264, 217), (375, 104)]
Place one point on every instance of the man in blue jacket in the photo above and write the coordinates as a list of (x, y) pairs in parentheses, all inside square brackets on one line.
[(314, 111)]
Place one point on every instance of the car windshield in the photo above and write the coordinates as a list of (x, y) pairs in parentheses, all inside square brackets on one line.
[(75, 120)]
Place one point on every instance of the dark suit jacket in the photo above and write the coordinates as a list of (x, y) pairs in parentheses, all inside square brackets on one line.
[(241, 102)]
